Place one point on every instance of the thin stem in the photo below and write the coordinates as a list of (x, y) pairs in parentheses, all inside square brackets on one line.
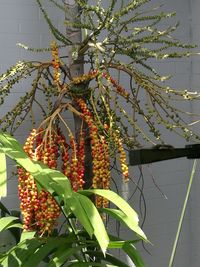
[(182, 215)]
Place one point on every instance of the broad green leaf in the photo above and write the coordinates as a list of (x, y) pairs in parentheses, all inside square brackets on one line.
[(114, 198), (16, 225), (4, 140), (21, 158), (7, 222), (3, 175), (127, 220), (42, 176), (129, 249), (12, 225), (61, 256), (72, 203), (58, 189), (117, 242), (133, 254), (15, 228), (10, 261), (55, 177), (27, 235), (18, 255), (95, 219), (50, 245), (39, 255), (119, 202), (63, 182), (14, 150), (41, 173)]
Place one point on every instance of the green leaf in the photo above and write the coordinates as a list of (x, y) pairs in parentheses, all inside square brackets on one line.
[(120, 203), (115, 198), (129, 249), (95, 219), (27, 235), (50, 245), (61, 256), (4, 140), (9, 261), (62, 181), (46, 176), (14, 150), (41, 173), (15, 225), (119, 243), (14, 228), (73, 204), (127, 220), (18, 255), (133, 254), (3, 175), (8, 222)]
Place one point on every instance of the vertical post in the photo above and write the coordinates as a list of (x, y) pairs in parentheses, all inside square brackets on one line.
[(172, 257)]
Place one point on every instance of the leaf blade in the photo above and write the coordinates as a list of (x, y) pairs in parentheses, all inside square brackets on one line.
[(126, 220), (133, 254), (8, 222), (119, 202), (72, 203), (95, 219)]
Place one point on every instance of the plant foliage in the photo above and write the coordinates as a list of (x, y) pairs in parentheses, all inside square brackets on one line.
[(76, 245)]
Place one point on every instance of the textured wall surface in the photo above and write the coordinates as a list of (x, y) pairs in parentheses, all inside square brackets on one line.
[(21, 21)]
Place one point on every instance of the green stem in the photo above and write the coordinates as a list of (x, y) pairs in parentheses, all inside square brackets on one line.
[(182, 215)]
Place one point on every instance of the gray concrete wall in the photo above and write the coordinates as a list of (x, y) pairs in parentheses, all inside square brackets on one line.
[(20, 21)]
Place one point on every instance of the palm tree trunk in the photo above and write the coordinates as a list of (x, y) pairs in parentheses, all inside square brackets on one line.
[(76, 67)]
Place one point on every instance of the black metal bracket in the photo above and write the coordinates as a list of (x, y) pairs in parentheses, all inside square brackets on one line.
[(162, 152)]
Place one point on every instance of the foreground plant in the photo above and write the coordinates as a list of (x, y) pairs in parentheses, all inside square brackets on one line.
[(86, 245)]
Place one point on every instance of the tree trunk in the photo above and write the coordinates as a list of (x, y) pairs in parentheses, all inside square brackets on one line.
[(76, 67)]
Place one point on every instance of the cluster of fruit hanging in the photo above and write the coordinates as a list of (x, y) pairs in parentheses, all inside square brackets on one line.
[(39, 209)]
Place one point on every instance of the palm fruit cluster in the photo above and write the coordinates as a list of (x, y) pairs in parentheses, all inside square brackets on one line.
[(39, 209), (120, 90), (55, 63), (100, 153), (73, 167)]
